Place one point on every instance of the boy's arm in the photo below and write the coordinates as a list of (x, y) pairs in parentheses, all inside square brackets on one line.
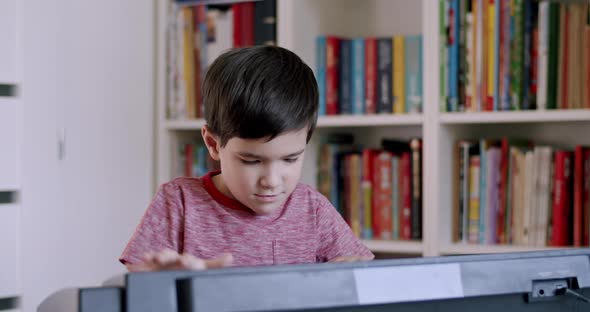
[(159, 229), (336, 240)]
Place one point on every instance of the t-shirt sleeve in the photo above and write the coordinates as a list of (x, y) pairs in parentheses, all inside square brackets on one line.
[(161, 226), (335, 236)]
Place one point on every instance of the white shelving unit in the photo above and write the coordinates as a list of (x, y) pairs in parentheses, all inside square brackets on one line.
[(10, 184), (301, 21)]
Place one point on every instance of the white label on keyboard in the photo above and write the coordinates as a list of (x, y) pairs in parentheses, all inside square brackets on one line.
[(408, 283)]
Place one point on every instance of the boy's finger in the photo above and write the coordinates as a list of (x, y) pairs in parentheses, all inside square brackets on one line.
[(349, 259), (166, 257), (191, 262), (224, 260)]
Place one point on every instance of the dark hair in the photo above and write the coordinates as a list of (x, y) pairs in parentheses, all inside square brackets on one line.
[(258, 92)]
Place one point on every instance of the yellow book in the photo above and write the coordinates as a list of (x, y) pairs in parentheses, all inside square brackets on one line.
[(399, 103), (473, 214), (189, 66), (367, 208)]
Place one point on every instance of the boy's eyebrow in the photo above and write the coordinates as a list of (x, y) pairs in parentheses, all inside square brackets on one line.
[(252, 155)]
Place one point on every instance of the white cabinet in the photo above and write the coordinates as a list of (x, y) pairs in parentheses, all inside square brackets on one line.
[(8, 143), (9, 226), (9, 44)]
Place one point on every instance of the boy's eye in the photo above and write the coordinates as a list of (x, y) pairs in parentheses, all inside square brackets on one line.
[(290, 160), (249, 162)]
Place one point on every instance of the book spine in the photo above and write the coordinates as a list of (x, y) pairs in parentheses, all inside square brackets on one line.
[(442, 52), (370, 75), (470, 90), (332, 75), (553, 55), (413, 74), (395, 196), (505, 55), (491, 49), (416, 148), (358, 76), (483, 186), (517, 56), (454, 34), (382, 194), (578, 186), (321, 73), (474, 169), (265, 28), (559, 234), (345, 77), (406, 211), (543, 60), (399, 97), (586, 199), (385, 82)]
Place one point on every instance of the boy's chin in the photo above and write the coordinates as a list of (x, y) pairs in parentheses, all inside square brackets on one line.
[(265, 210)]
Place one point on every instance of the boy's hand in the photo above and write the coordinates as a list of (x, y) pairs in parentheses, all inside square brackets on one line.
[(170, 260), (350, 259)]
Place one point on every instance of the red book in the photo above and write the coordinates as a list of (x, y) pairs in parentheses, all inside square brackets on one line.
[(382, 196), (587, 69), (368, 173), (371, 75), (578, 195), (586, 198), (237, 26), (188, 159), (247, 20), (561, 192), (406, 194), (332, 75)]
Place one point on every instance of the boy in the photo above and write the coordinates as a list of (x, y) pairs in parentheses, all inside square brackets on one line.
[(261, 110)]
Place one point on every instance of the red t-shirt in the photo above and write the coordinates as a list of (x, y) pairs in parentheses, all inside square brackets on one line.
[(190, 215)]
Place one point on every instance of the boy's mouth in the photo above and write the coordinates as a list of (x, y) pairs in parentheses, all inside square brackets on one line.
[(267, 197)]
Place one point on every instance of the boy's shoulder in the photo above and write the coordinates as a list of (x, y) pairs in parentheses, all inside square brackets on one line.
[(308, 194), (185, 185)]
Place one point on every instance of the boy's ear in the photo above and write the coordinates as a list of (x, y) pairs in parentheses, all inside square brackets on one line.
[(211, 141)]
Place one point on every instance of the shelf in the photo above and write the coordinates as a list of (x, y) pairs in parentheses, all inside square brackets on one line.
[(465, 249), (533, 116), (369, 120), (324, 121), (196, 2), (395, 247), (189, 124)]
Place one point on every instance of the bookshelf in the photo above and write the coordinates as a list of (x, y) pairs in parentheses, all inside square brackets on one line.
[(439, 130), (10, 208)]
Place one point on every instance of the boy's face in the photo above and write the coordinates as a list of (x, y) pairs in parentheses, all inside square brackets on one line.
[(261, 174)]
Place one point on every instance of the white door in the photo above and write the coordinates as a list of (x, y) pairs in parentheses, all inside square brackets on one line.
[(87, 138)]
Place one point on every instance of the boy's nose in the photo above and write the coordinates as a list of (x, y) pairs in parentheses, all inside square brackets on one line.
[(270, 181)]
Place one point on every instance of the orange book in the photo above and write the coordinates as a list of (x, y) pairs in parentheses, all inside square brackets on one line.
[(382, 196)]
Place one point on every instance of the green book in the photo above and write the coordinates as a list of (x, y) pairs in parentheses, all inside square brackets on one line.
[(517, 56)]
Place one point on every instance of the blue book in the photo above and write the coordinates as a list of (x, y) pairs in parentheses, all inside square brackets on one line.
[(483, 146), (358, 76), (345, 90), (497, 29), (454, 34), (413, 74), (321, 73)]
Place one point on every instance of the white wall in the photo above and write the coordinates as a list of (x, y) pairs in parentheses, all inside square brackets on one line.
[(88, 72)]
